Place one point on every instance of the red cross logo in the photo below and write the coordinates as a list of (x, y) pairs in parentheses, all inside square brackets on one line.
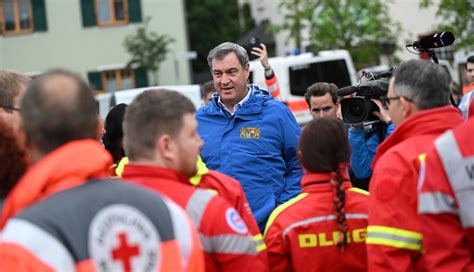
[(124, 252)]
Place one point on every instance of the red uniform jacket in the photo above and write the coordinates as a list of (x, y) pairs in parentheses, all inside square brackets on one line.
[(446, 201), (228, 245), (394, 241), (301, 234)]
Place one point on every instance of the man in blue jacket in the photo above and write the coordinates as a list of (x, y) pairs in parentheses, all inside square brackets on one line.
[(248, 135)]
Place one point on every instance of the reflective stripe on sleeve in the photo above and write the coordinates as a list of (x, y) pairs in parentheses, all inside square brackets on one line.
[(258, 239), (40, 243), (460, 172), (282, 207), (197, 205), (320, 219), (393, 237), (228, 244), (358, 190), (435, 203)]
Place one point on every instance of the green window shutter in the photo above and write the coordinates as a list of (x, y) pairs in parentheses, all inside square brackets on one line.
[(39, 15), (141, 78), (88, 13), (95, 80), (134, 11)]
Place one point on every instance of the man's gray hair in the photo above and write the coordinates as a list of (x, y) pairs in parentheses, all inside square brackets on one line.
[(219, 52), (424, 82)]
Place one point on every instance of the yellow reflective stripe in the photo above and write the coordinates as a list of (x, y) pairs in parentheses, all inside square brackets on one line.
[(399, 238), (259, 241), (202, 170), (422, 157), (280, 208), (121, 166), (212, 191), (358, 190)]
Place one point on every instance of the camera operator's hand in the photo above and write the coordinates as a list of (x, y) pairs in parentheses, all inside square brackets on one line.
[(261, 53), (382, 114)]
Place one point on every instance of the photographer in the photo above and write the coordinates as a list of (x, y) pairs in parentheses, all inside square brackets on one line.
[(364, 141)]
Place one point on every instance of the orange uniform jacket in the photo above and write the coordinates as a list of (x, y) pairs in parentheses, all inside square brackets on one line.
[(57, 219), (446, 201), (301, 233), (394, 241), (227, 243)]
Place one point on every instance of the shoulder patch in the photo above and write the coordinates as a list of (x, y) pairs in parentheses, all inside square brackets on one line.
[(250, 133), (235, 222)]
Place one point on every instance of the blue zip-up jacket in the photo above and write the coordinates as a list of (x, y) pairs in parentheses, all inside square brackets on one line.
[(363, 150), (257, 146)]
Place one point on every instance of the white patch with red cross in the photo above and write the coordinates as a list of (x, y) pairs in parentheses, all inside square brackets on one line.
[(121, 238), (235, 222)]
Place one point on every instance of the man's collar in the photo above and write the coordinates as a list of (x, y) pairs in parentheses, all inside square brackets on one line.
[(236, 106)]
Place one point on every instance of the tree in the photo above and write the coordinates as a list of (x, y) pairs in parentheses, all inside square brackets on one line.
[(147, 48), (458, 17), (358, 26), (211, 22)]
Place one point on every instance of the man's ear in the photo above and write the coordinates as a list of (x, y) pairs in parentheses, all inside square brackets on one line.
[(408, 107), (165, 146)]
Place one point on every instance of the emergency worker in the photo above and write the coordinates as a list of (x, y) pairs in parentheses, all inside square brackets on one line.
[(322, 229), (446, 202), (63, 216), (418, 104), (162, 144)]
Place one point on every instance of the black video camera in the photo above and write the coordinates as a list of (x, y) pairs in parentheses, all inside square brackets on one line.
[(358, 109)]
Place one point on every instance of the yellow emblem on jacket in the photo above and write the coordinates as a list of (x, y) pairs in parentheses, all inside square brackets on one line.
[(250, 133)]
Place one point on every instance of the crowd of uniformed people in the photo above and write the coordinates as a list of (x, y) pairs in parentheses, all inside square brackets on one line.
[(236, 185)]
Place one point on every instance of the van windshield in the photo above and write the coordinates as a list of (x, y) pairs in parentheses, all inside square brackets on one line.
[(303, 76)]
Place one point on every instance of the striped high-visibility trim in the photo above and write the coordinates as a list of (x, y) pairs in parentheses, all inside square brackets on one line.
[(460, 173), (282, 207), (360, 191), (228, 244), (121, 166), (436, 203), (393, 237), (197, 205), (258, 239)]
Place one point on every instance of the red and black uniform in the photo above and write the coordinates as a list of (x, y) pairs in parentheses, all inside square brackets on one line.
[(301, 234), (446, 201), (227, 243), (62, 216), (394, 240)]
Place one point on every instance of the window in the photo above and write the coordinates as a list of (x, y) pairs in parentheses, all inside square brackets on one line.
[(110, 12), (22, 16), (16, 16), (116, 80)]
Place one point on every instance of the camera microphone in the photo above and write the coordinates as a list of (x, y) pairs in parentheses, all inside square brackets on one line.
[(435, 40), (346, 90)]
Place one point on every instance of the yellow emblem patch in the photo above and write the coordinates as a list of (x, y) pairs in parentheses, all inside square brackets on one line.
[(250, 133)]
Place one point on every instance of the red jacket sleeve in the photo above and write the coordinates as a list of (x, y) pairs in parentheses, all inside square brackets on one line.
[(279, 255)]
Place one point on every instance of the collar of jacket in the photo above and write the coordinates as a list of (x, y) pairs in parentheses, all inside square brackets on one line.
[(320, 182), (70, 165), (432, 121), (135, 172), (258, 99)]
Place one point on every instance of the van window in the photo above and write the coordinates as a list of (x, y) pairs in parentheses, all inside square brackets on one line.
[(303, 76)]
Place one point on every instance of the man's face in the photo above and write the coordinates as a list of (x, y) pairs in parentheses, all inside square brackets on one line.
[(189, 143), (13, 117), (394, 108), (322, 106), (470, 72), (230, 79)]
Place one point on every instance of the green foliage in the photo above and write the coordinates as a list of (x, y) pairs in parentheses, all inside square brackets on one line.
[(212, 22), (358, 26), (458, 17), (147, 48)]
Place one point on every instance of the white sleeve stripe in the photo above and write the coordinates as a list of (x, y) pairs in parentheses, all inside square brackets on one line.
[(42, 244), (182, 231)]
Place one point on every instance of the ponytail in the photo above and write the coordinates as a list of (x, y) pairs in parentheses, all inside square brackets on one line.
[(339, 200)]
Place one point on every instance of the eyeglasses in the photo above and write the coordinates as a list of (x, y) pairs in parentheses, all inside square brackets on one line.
[(9, 108), (387, 100), (325, 109)]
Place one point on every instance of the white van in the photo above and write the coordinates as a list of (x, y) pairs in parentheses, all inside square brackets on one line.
[(193, 92), (296, 73)]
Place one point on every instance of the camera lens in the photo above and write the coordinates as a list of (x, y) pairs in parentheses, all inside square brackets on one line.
[(356, 109)]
